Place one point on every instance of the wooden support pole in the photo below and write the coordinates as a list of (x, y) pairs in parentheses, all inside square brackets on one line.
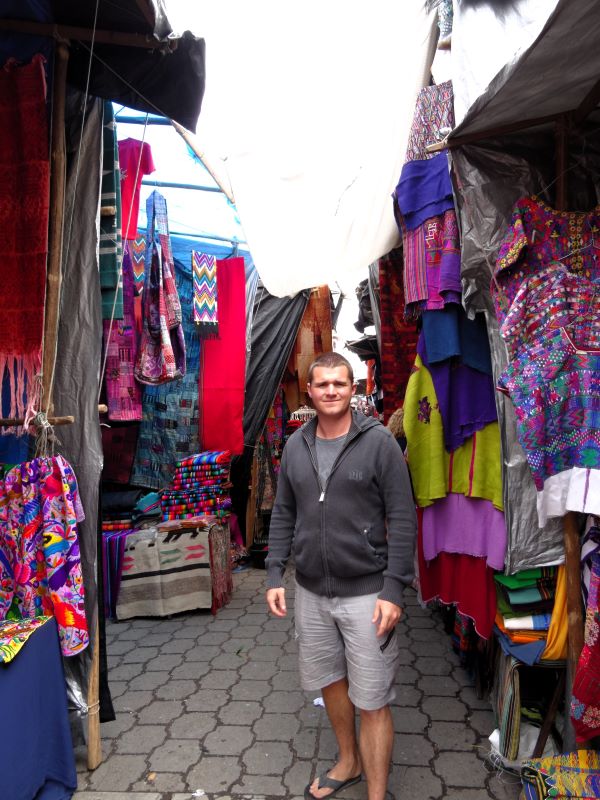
[(570, 529), (94, 746), (55, 228), (218, 176), (573, 580)]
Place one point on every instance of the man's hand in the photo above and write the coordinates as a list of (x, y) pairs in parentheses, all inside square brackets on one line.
[(276, 601), (385, 616)]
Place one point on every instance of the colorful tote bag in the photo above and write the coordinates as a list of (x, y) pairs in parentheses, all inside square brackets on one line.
[(161, 355)]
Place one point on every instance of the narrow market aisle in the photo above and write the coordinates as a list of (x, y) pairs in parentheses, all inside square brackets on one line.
[(211, 707)]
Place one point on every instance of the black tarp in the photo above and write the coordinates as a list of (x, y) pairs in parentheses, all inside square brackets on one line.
[(169, 80), (275, 326)]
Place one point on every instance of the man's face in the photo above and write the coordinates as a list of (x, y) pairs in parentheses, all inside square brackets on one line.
[(330, 391)]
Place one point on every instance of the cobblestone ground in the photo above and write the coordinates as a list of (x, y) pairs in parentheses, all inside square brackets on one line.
[(211, 707)]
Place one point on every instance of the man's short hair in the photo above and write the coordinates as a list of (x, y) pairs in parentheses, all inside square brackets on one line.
[(331, 361)]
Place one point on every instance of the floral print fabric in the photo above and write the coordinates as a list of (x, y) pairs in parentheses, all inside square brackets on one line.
[(40, 568)]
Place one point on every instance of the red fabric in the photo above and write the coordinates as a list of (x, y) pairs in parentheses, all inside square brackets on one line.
[(223, 365), (131, 154), (398, 337), (24, 204), (458, 579)]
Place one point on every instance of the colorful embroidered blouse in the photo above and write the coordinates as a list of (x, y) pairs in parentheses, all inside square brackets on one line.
[(555, 389), (40, 568), (538, 235), (550, 299)]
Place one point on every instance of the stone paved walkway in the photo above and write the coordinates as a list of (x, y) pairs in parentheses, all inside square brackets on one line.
[(211, 707)]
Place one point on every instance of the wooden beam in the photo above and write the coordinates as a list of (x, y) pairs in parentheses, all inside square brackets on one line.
[(66, 33), (588, 104), (11, 423), (55, 226), (147, 12)]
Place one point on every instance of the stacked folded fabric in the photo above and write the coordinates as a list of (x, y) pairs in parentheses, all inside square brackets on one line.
[(527, 603), (200, 485)]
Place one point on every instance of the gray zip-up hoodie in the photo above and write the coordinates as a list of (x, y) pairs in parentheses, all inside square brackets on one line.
[(356, 534)]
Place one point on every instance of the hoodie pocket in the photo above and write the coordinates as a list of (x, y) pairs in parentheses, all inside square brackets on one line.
[(368, 545)]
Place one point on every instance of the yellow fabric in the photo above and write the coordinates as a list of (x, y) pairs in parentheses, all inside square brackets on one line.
[(556, 646), (474, 469)]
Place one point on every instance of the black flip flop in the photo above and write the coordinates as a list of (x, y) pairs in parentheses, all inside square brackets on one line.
[(325, 782)]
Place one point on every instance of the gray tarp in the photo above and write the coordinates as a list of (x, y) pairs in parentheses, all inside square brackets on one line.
[(552, 76), (79, 352), (555, 74)]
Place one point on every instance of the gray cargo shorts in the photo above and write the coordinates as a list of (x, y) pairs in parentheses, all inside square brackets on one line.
[(336, 639)]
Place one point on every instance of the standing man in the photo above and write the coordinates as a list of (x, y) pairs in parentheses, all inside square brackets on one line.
[(344, 500)]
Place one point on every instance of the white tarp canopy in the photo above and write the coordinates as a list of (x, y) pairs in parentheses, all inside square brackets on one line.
[(310, 106)]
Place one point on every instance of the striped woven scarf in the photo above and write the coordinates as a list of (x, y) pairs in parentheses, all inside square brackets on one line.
[(137, 250), (204, 270)]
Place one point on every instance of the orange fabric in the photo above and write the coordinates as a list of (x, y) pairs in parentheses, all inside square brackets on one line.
[(556, 647)]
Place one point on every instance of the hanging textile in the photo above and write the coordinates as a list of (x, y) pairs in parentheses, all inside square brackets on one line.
[(223, 367), (467, 525), (123, 392), (473, 469), (40, 567), (585, 702), (111, 243), (204, 275), (119, 444), (314, 335), (554, 386), (24, 206), (466, 581), (161, 355), (135, 159), (169, 427), (137, 251), (398, 337), (465, 397), (537, 236)]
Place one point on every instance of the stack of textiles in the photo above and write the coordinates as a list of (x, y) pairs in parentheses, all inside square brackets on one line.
[(531, 610), (117, 524), (575, 775), (147, 510), (200, 486)]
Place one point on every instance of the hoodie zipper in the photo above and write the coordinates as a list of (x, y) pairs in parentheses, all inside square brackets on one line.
[(323, 544)]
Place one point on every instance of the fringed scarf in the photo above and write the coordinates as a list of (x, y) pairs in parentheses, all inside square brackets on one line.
[(223, 365), (24, 205), (204, 273)]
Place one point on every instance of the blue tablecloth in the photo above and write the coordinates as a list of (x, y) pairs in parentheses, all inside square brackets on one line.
[(36, 751)]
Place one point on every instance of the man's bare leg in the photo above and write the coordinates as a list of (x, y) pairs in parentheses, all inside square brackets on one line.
[(376, 739), (340, 711)]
